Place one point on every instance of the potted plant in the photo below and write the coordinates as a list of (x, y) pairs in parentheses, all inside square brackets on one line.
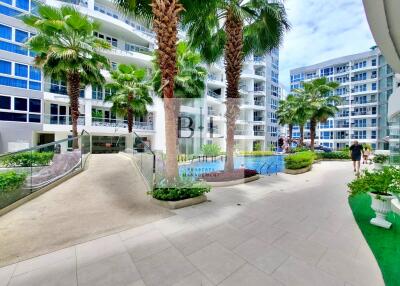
[(380, 186), (379, 160)]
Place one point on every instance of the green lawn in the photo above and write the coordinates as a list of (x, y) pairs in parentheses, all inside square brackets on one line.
[(385, 244)]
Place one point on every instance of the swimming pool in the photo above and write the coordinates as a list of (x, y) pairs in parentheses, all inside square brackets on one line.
[(263, 164)]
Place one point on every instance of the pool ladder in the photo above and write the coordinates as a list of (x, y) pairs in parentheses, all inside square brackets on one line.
[(268, 167)]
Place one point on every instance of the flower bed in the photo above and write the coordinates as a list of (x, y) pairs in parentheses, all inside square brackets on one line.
[(222, 176)]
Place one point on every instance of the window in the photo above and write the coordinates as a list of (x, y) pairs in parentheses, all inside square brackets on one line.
[(34, 73), (9, 11), (8, 116), (373, 62), (5, 32), (326, 71), (373, 134), (5, 67), (34, 105), (20, 104), (22, 4), (9, 2), (5, 102), (34, 118), (34, 85), (374, 86), (21, 36), (21, 70)]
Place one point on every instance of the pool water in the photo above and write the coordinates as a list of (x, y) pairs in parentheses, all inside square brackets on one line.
[(263, 164)]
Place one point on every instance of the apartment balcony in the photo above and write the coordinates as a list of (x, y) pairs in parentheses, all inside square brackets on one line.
[(259, 73), (66, 120), (259, 102), (242, 132), (259, 119), (259, 60), (119, 123), (214, 95), (259, 133), (364, 102), (59, 89), (363, 113)]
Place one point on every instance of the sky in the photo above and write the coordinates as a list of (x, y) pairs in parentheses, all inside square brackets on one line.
[(322, 30)]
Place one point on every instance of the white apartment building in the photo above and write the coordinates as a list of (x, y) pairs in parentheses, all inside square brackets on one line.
[(35, 110), (366, 82)]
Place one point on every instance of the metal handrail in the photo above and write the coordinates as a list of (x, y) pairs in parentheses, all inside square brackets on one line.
[(44, 145)]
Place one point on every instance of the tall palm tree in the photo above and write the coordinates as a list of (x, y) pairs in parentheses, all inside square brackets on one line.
[(234, 28), (190, 78), (302, 112), (322, 102), (132, 94), (164, 15), (286, 113), (66, 48)]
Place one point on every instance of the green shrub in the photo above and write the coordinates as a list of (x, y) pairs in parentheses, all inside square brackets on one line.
[(299, 160), (340, 155), (257, 153), (382, 182), (380, 158), (181, 189), (211, 150), (27, 159), (257, 146), (300, 149), (11, 181)]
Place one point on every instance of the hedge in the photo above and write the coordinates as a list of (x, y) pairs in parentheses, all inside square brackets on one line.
[(340, 155), (27, 159), (299, 160), (181, 189), (11, 181)]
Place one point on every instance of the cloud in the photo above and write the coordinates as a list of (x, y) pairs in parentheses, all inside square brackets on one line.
[(322, 30)]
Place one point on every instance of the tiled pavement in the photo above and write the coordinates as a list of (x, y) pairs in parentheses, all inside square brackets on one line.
[(279, 230)]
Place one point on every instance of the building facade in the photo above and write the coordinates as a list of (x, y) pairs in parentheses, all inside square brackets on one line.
[(35, 110), (366, 82)]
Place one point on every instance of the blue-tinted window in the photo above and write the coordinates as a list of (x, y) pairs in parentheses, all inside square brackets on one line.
[(5, 67), (21, 36), (35, 85), (9, 11), (22, 4), (374, 86), (34, 73), (13, 48), (34, 118), (8, 116), (9, 2), (34, 105), (5, 32), (5, 102), (20, 104), (13, 82), (21, 70)]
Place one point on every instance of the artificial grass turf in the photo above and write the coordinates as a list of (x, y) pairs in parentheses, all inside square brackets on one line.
[(385, 244)]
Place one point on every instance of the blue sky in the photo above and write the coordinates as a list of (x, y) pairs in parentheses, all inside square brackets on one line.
[(322, 30)]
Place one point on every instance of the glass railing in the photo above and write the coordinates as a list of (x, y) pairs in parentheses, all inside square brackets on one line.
[(120, 123), (60, 89), (30, 170), (61, 119), (214, 94), (133, 146)]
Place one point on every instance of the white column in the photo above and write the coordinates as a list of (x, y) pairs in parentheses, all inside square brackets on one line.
[(91, 5), (88, 107)]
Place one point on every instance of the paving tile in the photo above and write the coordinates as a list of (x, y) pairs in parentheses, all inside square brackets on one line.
[(170, 225), (241, 221), (6, 273), (137, 283), (228, 236), (194, 279), (98, 249), (303, 229), (117, 270), (350, 269), (270, 234), (164, 268), (296, 272), (262, 255), (127, 234), (62, 273), (249, 275), (306, 250), (44, 260), (216, 262), (146, 244), (189, 240)]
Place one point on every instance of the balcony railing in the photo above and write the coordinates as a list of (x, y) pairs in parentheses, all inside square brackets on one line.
[(60, 89), (258, 89), (119, 123), (213, 94), (215, 77), (259, 102), (359, 113), (242, 132), (62, 119), (354, 102), (258, 118), (259, 133), (82, 3), (260, 73)]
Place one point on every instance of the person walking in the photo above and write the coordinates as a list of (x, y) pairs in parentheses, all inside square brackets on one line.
[(356, 150), (366, 155)]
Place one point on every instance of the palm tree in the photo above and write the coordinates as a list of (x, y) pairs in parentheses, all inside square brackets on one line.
[(132, 94), (322, 102), (286, 113), (164, 15), (189, 81), (302, 112), (234, 28), (65, 47)]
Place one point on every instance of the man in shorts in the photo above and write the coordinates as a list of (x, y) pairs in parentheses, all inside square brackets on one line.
[(356, 150)]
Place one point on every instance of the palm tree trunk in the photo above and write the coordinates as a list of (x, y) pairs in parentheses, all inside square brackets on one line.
[(130, 113), (177, 113), (301, 135), (233, 67), (165, 25), (313, 124), (73, 85), (290, 132)]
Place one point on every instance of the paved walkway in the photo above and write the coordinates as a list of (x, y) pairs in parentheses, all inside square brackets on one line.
[(279, 230), (108, 197)]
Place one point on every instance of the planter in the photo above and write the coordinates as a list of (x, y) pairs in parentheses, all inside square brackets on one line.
[(233, 182), (382, 206), (180, 204), (298, 171), (396, 206)]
